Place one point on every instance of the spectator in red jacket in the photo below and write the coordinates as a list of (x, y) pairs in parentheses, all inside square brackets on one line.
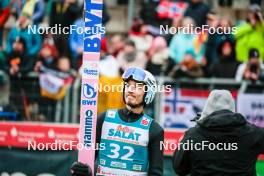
[(48, 54)]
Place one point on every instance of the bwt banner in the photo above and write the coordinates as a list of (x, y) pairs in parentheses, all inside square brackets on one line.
[(180, 106), (252, 107)]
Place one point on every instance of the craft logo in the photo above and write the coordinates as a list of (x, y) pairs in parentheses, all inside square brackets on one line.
[(89, 92), (88, 128)]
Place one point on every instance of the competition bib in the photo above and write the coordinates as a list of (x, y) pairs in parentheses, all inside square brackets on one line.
[(125, 144)]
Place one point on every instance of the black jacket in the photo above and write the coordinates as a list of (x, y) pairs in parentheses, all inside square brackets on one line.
[(226, 67), (246, 142)]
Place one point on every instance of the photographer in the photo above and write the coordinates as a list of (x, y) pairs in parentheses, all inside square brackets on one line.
[(252, 69), (250, 34)]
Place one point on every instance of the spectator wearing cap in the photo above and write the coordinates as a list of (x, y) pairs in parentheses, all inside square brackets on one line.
[(131, 57), (4, 14), (139, 34), (198, 11), (185, 41), (250, 34), (226, 65), (252, 69), (33, 40)]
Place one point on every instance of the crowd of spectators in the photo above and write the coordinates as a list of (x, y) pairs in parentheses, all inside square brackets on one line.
[(238, 55), (221, 54)]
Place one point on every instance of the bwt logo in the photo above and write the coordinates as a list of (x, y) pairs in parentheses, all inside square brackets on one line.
[(89, 93), (93, 21), (88, 128)]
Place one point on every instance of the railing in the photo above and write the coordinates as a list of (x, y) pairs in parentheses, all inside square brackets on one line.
[(25, 96), (67, 109)]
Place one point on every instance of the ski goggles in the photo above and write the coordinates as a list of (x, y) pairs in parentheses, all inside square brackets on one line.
[(136, 74)]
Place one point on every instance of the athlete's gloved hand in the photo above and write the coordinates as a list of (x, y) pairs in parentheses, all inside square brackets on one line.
[(80, 169)]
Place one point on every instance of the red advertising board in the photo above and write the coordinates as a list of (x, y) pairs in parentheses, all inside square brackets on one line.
[(20, 134)]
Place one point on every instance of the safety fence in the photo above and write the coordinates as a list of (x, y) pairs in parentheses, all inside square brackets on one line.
[(25, 96)]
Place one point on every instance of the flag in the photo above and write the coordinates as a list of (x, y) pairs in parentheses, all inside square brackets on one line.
[(179, 106), (168, 9)]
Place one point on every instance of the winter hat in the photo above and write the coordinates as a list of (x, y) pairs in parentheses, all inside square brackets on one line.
[(253, 53), (218, 100)]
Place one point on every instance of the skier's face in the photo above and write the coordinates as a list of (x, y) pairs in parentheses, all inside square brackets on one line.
[(134, 92)]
